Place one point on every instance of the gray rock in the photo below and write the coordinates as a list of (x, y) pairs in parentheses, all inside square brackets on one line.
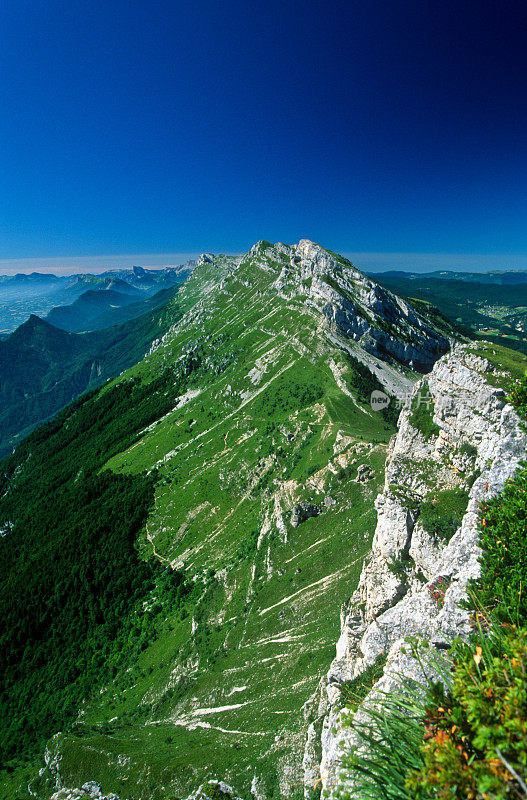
[(205, 258), (212, 788), (92, 788), (391, 604), (383, 324), (364, 473), (303, 511)]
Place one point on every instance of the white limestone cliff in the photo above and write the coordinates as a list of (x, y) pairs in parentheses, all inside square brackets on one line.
[(384, 325), (477, 446)]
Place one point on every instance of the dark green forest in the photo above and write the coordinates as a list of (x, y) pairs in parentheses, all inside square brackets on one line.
[(71, 574)]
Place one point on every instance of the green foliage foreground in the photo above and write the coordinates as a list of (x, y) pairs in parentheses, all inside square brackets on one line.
[(503, 537), (476, 730), (464, 736)]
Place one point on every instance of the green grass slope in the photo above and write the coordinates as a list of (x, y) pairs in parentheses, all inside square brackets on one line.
[(245, 409)]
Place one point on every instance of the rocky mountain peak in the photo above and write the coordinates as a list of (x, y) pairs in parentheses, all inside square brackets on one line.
[(315, 260), (205, 258), (354, 306)]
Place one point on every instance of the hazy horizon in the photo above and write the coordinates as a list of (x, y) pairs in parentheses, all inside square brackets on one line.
[(367, 261)]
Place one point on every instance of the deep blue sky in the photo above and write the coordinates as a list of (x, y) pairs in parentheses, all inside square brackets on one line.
[(163, 127)]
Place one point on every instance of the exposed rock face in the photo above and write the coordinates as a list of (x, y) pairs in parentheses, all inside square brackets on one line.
[(303, 511), (214, 790), (382, 323), (364, 473), (412, 583), (91, 790)]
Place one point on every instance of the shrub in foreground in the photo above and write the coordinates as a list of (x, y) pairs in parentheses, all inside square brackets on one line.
[(464, 736), (475, 741), (503, 537)]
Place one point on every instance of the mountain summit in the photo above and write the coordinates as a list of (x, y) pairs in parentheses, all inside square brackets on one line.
[(381, 322)]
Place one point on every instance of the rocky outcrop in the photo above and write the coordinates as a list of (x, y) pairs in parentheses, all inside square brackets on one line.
[(412, 582), (364, 473), (91, 790), (383, 324), (214, 790), (303, 511)]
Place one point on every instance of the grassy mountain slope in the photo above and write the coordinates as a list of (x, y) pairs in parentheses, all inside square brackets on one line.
[(255, 402)]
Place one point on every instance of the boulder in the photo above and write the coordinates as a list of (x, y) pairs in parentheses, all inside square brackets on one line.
[(303, 511), (364, 473)]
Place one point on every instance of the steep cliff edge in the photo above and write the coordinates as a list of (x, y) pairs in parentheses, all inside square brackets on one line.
[(458, 442), (355, 307)]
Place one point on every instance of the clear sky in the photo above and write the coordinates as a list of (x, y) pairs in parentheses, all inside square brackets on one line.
[(373, 127)]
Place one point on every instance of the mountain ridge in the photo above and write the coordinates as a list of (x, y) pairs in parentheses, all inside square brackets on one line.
[(255, 426)]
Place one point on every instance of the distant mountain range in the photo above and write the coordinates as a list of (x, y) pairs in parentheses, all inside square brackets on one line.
[(22, 295), (42, 367), (95, 310), (498, 277)]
